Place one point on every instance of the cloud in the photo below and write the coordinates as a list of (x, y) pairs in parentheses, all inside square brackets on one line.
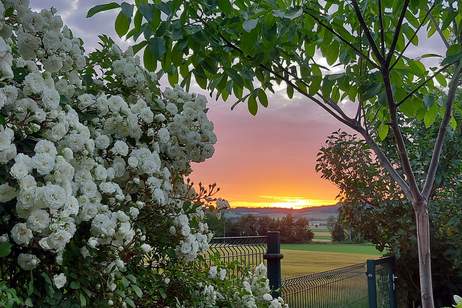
[(73, 13)]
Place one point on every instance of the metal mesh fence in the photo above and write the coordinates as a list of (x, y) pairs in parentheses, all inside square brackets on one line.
[(247, 251), (382, 272), (343, 287)]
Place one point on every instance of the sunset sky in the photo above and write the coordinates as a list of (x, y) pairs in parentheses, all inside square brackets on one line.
[(267, 160)]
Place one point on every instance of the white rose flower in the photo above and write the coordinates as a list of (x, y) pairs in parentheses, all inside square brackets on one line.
[(267, 297), (50, 98), (53, 196), (4, 238), (84, 252), (21, 168), (28, 261), (120, 148), (38, 220), (133, 161), (45, 146), (213, 272), (172, 108), (6, 137), (59, 280), (146, 248), (222, 274), (21, 234), (43, 162), (222, 204), (58, 239), (164, 135), (68, 154), (92, 242), (134, 212), (100, 173)]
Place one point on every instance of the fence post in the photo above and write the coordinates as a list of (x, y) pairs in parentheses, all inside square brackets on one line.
[(273, 258), (391, 282), (371, 284)]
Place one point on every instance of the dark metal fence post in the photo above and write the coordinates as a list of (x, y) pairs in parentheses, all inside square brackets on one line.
[(391, 282), (273, 258), (371, 284)]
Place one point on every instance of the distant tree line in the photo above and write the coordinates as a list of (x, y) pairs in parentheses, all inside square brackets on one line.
[(292, 230)]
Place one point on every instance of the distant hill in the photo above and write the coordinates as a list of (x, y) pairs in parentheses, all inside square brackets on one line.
[(313, 214)]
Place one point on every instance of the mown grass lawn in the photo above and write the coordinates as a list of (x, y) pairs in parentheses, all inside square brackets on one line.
[(302, 259)]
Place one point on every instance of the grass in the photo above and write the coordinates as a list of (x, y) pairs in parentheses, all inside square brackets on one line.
[(364, 249), (302, 259), (321, 235)]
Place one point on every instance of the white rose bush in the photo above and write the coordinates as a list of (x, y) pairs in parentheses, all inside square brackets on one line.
[(95, 206)]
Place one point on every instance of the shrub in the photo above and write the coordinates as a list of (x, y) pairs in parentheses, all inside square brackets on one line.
[(94, 205)]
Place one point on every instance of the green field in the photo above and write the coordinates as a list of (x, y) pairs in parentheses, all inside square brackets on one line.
[(322, 235), (365, 249), (302, 259)]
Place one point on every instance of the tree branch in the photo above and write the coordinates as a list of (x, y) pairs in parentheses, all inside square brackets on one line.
[(423, 83), (330, 29), (369, 37), (386, 163), (401, 147), (438, 29), (414, 35), (288, 81), (431, 173), (382, 30), (397, 32)]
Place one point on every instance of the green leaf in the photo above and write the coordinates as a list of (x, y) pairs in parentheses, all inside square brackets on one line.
[(122, 23), (315, 85), (138, 47), (331, 53), (130, 302), (383, 131), (137, 290), (293, 13), (225, 6), (173, 75), (248, 40), (83, 300), (252, 105), (125, 282), (453, 123), (127, 9), (150, 62), (250, 24), (290, 91), (5, 249), (430, 55), (75, 285), (101, 8), (428, 100), (131, 278), (262, 97), (200, 77), (2, 120), (453, 54), (441, 80), (430, 115), (157, 47)]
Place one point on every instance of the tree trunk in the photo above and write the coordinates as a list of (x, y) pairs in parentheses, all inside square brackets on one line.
[(423, 246)]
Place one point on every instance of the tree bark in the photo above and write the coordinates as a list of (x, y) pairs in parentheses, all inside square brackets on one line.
[(423, 247)]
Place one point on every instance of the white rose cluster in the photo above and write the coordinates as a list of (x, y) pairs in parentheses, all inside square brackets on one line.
[(83, 158), (258, 290)]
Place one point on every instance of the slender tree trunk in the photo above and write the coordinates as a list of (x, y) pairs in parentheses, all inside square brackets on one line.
[(423, 246)]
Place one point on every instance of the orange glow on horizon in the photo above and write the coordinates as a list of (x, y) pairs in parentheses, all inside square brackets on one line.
[(282, 202)]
